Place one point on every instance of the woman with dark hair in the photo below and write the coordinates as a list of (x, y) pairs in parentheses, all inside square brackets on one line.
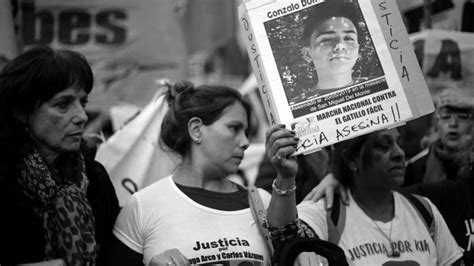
[(59, 205), (196, 215), (331, 45), (381, 225)]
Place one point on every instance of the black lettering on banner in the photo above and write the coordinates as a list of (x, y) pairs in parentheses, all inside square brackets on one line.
[(395, 112), (339, 97), (74, 26), (405, 73), (255, 58), (305, 3), (448, 60), (43, 21), (129, 185), (347, 130), (305, 144), (317, 139), (116, 34), (382, 5), (393, 44)]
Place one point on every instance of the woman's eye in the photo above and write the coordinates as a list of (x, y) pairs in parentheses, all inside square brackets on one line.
[(382, 147), (62, 105), (84, 103)]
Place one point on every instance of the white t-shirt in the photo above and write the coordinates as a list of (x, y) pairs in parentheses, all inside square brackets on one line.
[(364, 243), (161, 217)]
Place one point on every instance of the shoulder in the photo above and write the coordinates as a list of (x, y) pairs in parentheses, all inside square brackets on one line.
[(311, 208), (96, 169), (96, 172), (424, 208), (160, 190), (99, 180), (314, 214)]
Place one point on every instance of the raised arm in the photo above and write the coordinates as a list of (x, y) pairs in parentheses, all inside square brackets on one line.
[(280, 144)]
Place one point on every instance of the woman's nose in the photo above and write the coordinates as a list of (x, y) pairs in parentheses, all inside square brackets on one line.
[(398, 152), (80, 116), (244, 142), (453, 121)]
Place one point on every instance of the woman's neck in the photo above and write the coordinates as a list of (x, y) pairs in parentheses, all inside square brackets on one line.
[(377, 204), (328, 81), (190, 176)]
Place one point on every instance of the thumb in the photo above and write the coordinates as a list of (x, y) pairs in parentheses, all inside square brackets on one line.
[(329, 198)]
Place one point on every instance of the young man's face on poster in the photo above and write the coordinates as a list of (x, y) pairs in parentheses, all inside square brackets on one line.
[(334, 46)]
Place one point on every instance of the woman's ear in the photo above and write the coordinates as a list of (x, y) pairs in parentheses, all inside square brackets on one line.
[(194, 129)]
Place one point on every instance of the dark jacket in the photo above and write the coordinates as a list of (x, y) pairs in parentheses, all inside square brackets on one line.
[(428, 167), (21, 233), (455, 201)]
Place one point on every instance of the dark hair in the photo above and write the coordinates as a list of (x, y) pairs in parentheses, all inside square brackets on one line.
[(326, 10), (36, 76), (347, 151), (206, 102)]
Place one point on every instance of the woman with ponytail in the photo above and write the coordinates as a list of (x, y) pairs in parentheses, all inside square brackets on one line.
[(196, 215)]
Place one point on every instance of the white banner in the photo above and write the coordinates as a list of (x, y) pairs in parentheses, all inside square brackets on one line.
[(132, 155), (129, 44), (447, 59)]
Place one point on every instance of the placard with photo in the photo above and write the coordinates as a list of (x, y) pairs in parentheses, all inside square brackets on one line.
[(333, 70)]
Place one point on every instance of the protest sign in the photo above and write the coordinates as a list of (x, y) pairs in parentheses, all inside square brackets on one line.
[(368, 79)]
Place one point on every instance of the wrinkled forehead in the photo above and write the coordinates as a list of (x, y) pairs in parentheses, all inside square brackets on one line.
[(453, 110), (391, 133)]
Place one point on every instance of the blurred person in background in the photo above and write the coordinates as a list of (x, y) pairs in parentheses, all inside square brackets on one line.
[(447, 154), (59, 205), (196, 212)]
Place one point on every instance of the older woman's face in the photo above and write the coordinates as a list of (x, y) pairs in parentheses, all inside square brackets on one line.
[(57, 124), (454, 128), (386, 160), (334, 45)]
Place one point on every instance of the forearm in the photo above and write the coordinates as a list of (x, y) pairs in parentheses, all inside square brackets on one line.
[(297, 228), (282, 208)]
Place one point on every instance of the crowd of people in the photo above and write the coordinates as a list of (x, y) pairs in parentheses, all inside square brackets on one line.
[(362, 194)]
